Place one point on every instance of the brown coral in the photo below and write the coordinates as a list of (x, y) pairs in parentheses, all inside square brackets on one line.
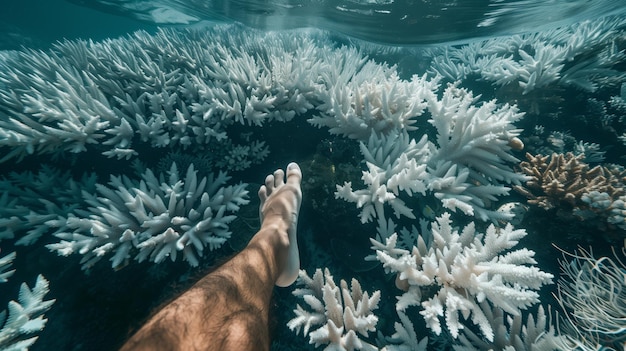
[(562, 179)]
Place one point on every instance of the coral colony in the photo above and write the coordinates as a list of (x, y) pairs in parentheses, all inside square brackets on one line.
[(462, 275)]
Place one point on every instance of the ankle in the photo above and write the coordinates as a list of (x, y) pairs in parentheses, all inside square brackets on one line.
[(275, 223)]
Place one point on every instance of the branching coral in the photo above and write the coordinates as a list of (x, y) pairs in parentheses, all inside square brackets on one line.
[(338, 312), (466, 168), (467, 268), (512, 334), (156, 216), (583, 55), (566, 182), (25, 316), (175, 88), (30, 199), (185, 88)]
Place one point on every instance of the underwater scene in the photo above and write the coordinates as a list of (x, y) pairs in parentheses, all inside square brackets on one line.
[(463, 167)]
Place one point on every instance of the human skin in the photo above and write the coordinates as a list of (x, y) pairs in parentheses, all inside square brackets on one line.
[(228, 309)]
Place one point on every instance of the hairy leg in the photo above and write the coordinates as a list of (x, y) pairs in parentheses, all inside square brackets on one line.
[(228, 309)]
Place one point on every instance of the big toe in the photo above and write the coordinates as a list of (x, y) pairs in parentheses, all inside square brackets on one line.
[(294, 174)]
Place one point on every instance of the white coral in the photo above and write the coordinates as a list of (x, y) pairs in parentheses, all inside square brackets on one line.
[(396, 163), (468, 268), (511, 334), (337, 313), (5, 263), (466, 168), (373, 101), (173, 88), (25, 316), (579, 55), (30, 199), (158, 217)]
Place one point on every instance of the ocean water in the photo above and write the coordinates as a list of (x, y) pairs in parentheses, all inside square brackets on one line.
[(94, 90)]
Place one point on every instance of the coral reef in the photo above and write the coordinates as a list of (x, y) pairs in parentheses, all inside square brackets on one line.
[(466, 167), (583, 55), (337, 313), (25, 316), (157, 216), (187, 105), (567, 184), (466, 269)]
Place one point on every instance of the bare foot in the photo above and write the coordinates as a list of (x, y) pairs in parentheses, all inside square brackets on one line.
[(280, 206)]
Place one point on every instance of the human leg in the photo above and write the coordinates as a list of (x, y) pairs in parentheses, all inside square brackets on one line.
[(228, 309)]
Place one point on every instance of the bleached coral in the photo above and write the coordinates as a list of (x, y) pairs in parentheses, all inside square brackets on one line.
[(31, 199), (174, 88), (467, 268), (395, 163), (471, 162), (156, 217), (583, 55), (337, 313), (25, 317), (512, 334), (618, 212), (404, 338), (373, 99), (184, 89), (5, 264), (466, 168)]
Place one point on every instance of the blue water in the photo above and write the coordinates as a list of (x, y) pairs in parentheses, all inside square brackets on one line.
[(97, 309)]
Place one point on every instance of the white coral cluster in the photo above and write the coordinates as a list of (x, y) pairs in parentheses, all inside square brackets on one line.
[(618, 212), (396, 163), (174, 88), (184, 89), (368, 98), (151, 219), (583, 55), (467, 167), (338, 314), (467, 268), (25, 316), (512, 334), (31, 199)]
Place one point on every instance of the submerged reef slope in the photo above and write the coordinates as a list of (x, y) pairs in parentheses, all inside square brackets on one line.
[(142, 130)]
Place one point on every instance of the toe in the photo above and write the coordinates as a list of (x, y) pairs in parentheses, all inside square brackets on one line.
[(269, 184), (294, 174), (279, 177), (263, 193)]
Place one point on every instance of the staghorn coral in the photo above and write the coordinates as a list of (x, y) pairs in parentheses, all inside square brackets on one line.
[(31, 199), (338, 312), (584, 55), (465, 268), (156, 217), (566, 183), (25, 316), (173, 89), (512, 335), (466, 167)]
